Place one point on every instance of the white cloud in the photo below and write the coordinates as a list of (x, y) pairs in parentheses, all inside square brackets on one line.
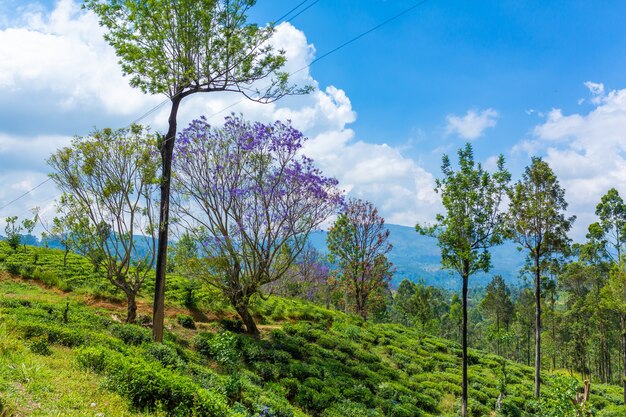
[(473, 124), (60, 58), (586, 151), (63, 55), (597, 91)]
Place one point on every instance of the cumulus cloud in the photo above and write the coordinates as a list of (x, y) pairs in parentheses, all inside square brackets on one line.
[(59, 57), (586, 151), (473, 124)]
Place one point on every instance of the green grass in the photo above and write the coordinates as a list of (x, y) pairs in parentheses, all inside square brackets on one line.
[(310, 361)]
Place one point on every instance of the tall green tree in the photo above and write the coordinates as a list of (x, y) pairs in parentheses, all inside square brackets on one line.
[(473, 222), (538, 224), (614, 299), (182, 47), (610, 232)]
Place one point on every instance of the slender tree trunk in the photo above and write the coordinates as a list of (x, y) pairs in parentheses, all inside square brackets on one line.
[(464, 341), (167, 151), (131, 309), (498, 334), (623, 328), (528, 346), (553, 333), (537, 327)]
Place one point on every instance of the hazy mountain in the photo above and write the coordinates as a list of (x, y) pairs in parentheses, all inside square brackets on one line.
[(414, 256), (418, 257)]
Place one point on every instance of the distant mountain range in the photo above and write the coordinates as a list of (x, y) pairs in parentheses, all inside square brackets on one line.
[(416, 257)]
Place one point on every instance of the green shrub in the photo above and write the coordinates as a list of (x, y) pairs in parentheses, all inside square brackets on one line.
[(613, 411), (222, 347), (131, 334), (12, 267), (231, 325), (39, 345), (54, 333), (164, 354), (186, 321), (47, 277), (149, 386)]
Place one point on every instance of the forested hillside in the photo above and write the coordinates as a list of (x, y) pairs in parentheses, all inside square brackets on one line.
[(64, 351)]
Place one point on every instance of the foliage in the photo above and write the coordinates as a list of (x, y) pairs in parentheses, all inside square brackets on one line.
[(472, 224), (12, 230), (498, 305), (186, 321), (179, 48), (358, 242), (109, 180), (537, 222), (251, 200)]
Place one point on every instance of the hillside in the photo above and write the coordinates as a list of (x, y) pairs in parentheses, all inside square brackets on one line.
[(414, 256), (418, 257), (66, 353)]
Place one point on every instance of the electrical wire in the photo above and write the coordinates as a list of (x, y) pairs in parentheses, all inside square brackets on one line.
[(25, 194), (332, 51), (290, 11)]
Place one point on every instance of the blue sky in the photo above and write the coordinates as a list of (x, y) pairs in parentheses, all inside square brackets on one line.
[(518, 78)]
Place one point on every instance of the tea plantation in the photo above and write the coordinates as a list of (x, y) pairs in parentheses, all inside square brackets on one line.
[(64, 352)]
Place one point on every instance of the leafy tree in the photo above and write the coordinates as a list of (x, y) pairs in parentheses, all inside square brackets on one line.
[(12, 231), (403, 308), (250, 199), (109, 182), (472, 224), (614, 299), (306, 279), (498, 305), (358, 242), (182, 47), (577, 281), (28, 225), (610, 231), (537, 223)]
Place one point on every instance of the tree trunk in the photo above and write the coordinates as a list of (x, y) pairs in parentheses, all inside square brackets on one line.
[(537, 327), (464, 341), (167, 151), (131, 310), (498, 335), (247, 319), (623, 328)]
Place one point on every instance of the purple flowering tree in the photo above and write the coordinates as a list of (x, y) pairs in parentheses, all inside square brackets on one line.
[(251, 199)]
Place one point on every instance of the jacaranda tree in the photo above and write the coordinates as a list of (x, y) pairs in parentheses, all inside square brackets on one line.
[(250, 199), (183, 47)]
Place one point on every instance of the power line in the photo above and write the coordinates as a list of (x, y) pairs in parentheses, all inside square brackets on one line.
[(367, 32), (332, 51), (161, 104), (25, 194), (304, 10), (291, 11)]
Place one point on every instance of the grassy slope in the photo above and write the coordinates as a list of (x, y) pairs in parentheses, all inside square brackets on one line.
[(311, 361)]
